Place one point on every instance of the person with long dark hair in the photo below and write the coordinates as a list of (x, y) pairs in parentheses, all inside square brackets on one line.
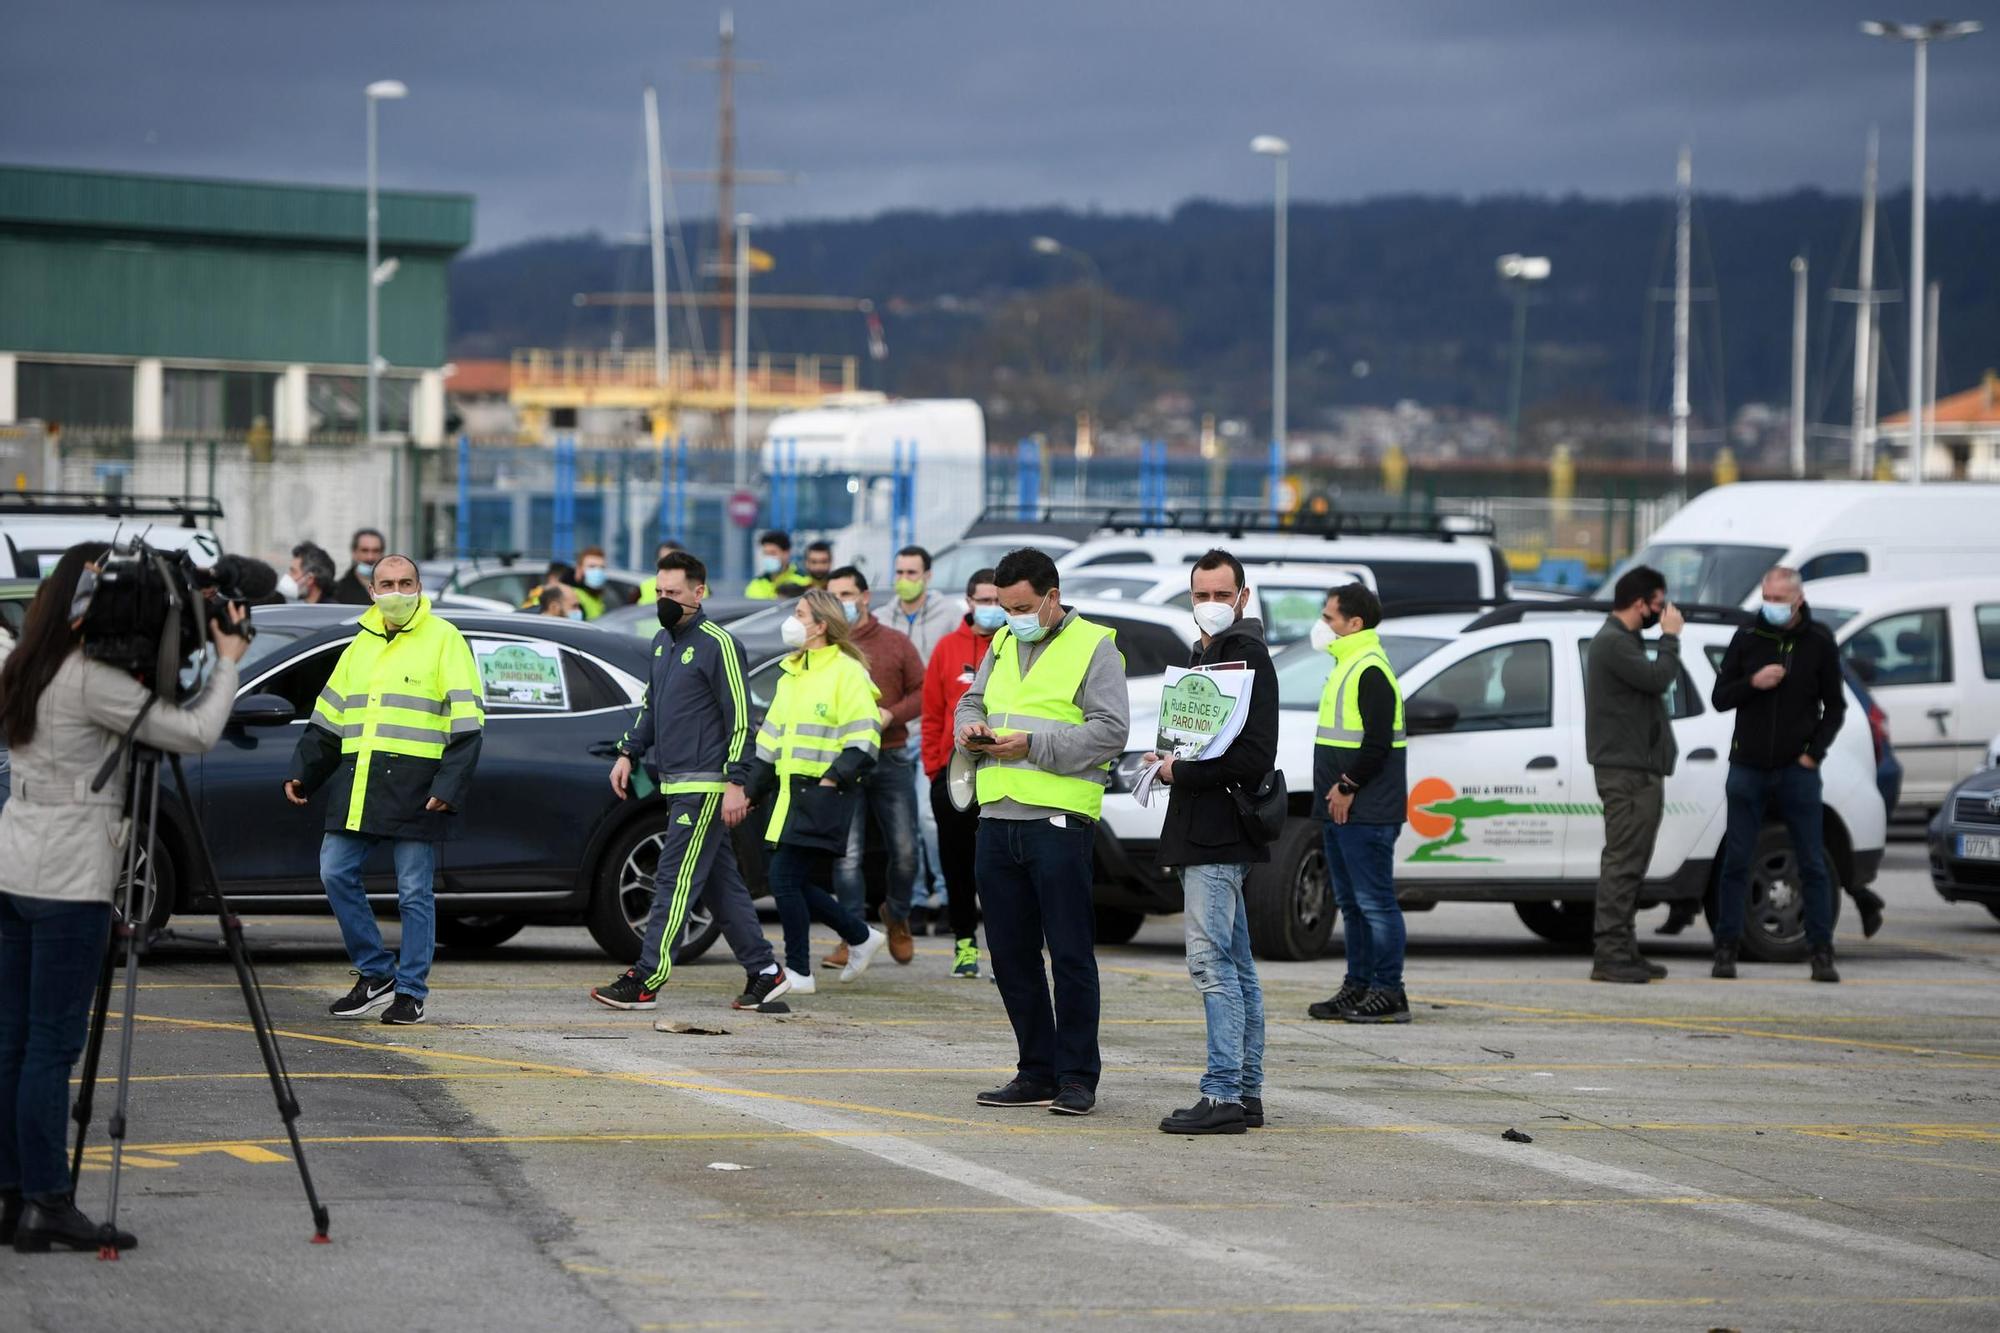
[(62, 848)]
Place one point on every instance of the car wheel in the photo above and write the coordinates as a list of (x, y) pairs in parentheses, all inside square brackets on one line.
[(624, 896), (160, 888), (1117, 925), (1288, 900), (1568, 922), (478, 932), (1774, 918)]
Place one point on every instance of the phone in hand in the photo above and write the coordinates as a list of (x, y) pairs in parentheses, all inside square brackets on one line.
[(980, 742)]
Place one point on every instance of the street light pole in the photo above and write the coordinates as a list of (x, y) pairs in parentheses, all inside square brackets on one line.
[(1049, 245), (1270, 145), (1919, 35), (1799, 366), (380, 91), (742, 474), (1519, 273)]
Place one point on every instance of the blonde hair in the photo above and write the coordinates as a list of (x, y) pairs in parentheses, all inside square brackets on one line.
[(832, 616)]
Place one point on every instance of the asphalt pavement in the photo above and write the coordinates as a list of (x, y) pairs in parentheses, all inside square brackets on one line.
[(1765, 1153)]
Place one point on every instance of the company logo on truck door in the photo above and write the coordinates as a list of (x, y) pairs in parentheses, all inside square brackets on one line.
[(1441, 813)]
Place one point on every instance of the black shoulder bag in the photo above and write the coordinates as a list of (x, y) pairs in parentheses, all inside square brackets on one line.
[(1262, 811)]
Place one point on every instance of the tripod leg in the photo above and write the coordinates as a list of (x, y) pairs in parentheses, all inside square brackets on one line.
[(259, 1012), (93, 1050), (146, 780)]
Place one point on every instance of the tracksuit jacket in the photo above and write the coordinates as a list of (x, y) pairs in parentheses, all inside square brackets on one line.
[(954, 665), (695, 716)]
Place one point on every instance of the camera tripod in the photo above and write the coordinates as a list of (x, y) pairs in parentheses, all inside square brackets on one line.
[(143, 812)]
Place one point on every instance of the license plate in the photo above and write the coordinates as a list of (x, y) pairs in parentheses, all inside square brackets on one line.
[(1978, 847)]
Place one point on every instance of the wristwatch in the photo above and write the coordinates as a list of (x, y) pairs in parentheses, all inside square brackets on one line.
[(1346, 785)]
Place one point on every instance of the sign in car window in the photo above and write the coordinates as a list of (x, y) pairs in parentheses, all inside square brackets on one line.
[(520, 675)]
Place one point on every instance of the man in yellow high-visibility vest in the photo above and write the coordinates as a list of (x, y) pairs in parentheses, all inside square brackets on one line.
[(396, 732), (1044, 718)]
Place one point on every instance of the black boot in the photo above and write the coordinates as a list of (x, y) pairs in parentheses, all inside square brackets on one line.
[(1870, 905), (10, 1215), (53, 1219), (1725, 963), (1207, 1116), (1822, 964)]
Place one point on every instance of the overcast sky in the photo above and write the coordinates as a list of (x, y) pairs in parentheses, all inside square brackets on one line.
[(533, 106)]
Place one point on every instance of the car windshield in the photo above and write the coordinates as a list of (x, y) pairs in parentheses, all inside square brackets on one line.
[(1302, 672), (1112, 586), (964, 559), (271, 638), (1833, 617), (1703, 572)]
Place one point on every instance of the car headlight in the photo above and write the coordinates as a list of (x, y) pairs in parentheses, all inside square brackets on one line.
[(1125, 772)]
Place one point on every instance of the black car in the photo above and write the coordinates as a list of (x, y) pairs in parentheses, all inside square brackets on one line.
[(544, 841), (1965, 843)]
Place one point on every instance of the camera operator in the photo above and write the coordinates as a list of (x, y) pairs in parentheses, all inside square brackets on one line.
[(61, 853)]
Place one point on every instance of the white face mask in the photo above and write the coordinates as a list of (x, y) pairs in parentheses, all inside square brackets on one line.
[(396, 607), (793, 631), (288, 588), (1214, 617), (1322, 636)]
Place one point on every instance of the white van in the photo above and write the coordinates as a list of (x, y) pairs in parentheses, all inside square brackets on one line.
[(1444, 566), (1929, 652), (36, 527), (843, 461), (1716, 549), (1288, 598)]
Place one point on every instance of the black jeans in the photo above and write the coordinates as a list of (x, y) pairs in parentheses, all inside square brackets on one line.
[(958, 854), (1034, 882), (50, 956), (799, 878), (1794, 791)]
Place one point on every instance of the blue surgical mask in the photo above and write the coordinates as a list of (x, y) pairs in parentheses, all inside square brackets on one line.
[(594, 577), (364, 570), (988, 618), (769, 564), (1776, 613), (853, 610), (1028, 627)]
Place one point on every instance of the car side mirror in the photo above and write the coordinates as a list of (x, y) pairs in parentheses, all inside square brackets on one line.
[(261, 710), (1428, 717)]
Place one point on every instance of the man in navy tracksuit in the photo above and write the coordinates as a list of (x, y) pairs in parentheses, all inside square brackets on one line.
[(695, 721)]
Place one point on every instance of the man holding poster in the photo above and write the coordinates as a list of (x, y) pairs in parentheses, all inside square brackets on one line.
[(1218, 732)]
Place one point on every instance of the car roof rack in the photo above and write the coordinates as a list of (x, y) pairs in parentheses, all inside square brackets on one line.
[(1698, 613), (1438, 606), (1238, 522), (86, 504)]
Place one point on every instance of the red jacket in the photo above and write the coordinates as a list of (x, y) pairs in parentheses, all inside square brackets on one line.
[(898, 673), (954, 662)]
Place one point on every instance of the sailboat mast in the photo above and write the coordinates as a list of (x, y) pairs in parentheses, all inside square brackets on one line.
[(1861, 432), (1683, 255), (657, 236)]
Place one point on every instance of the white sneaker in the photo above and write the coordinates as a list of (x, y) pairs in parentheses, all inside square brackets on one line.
[(800, 985), (862, 954)]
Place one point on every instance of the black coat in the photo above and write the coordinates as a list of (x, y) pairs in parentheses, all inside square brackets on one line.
[(1203, 825), (349, 590), (1802, 714)]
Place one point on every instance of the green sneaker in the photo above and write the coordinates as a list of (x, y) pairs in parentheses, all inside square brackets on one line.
[(965, 963)]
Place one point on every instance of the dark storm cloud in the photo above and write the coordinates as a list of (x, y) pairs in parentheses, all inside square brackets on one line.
[(1118, 104)]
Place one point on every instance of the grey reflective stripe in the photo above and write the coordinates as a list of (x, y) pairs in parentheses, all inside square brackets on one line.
[(866, 747), (462, 725), (461, 696), (800, 745), (1340, 689), (856, 728), (414, 701), (422, 735), (1031, 725), (814, 729), (352, 731), (342, 702), (1337, 736), (321, 720), (766, 753), (690, 777)]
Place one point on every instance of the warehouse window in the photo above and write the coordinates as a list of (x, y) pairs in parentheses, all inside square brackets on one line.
[(217, 402), (71, 395), (337, 403)]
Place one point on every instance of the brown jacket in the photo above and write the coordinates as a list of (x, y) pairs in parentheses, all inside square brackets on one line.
[(898, 674)]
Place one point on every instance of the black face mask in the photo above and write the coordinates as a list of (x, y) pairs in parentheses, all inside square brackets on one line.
[(1651, 619), (670, 612)]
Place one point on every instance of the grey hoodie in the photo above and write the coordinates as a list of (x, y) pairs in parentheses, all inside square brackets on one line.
[(1078, 752)]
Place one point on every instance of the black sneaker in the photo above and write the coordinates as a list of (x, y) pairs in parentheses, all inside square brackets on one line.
[(1380, 1006), (1822, 966), (1870, 903), (1337, 1005), (1074, 1099), (1622, 972), (406, 1010), (368, 995), (762, 988), (627, 992), (1207, 1116), (1656, 971), (1253, 1112), (1020, 1092), (53, 1219), (1725, 963)]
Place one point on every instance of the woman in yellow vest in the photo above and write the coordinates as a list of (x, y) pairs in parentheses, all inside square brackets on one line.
[(817, 743)]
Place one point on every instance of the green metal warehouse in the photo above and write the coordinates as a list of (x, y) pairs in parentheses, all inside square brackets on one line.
[(155, 307)]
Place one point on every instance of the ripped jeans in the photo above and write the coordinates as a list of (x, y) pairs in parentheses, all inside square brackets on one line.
[(1218, 958)]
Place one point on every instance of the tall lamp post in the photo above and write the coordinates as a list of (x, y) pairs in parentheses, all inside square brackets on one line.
[(1049, 245), (1920, 36), (1519, 274), (1271, 146), (382, 90)]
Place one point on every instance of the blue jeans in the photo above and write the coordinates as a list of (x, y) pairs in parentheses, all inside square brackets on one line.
[(51, 954), (1795, 791), (1361, 861), (797, 876), (1035, 888), (930, 868), (340, 858), (890, 791), (1218, 958)]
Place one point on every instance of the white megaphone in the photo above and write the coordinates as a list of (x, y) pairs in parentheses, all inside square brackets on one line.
[(961, 781)]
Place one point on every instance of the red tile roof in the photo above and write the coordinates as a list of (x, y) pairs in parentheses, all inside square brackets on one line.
[(1977, 406)]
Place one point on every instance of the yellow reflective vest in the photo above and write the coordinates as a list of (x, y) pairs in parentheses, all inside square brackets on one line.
[(399, 722), (1042, 700), (1340, 702), (825, 721), (770, 587)]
